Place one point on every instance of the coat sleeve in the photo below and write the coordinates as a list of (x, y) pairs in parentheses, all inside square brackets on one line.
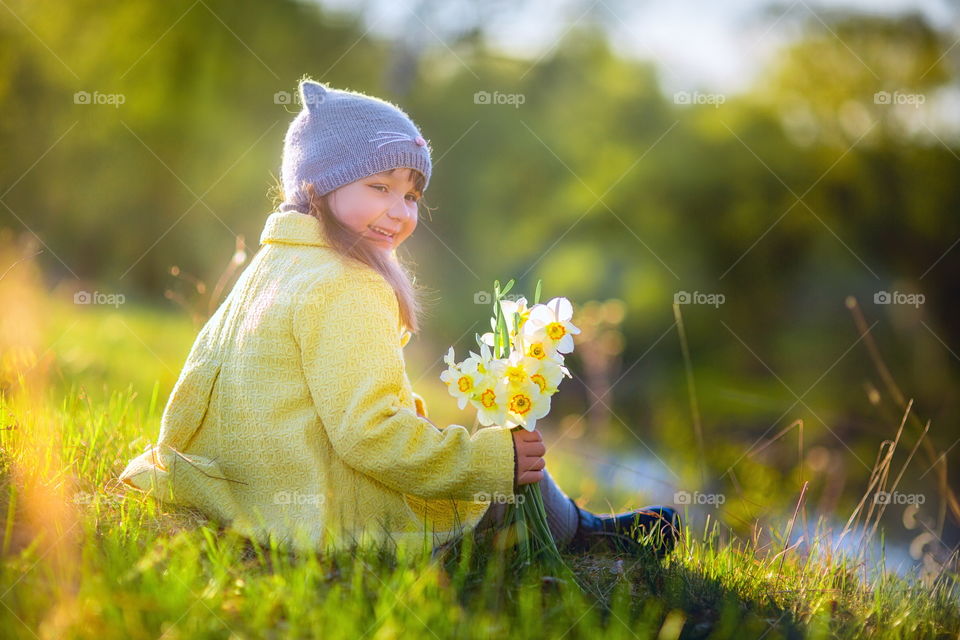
[(347, 333)]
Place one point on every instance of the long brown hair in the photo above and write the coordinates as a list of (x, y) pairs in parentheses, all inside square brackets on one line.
[(349, 243)]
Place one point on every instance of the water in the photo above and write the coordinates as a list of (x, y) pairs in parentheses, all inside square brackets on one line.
[(634, 472)]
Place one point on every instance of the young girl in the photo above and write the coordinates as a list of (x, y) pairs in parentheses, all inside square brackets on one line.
[(293, 418)]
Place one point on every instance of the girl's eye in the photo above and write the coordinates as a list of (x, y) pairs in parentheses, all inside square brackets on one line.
[(382, 188)]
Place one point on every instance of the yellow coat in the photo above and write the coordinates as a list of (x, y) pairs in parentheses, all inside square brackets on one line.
[(294, 419)]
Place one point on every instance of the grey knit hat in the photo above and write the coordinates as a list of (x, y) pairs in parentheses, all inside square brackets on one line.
[(341, 136)]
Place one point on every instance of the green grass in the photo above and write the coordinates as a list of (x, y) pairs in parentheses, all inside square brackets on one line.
[(82, 558)]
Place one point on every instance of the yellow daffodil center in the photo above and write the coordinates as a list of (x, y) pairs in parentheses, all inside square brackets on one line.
[(520, 404), (537, 351), (516, 374), (556, 330), (488, 398), (541, 381), (465, 383)]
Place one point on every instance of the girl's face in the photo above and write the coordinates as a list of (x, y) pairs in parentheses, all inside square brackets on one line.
[(386, 201)]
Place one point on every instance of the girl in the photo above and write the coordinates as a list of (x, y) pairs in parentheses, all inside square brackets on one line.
[(293, 419)]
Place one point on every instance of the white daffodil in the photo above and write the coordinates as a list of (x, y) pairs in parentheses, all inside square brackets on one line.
[(524, 404), (552, 321), (486, 362), (461, 379), (510, 308), (538, 345), (489, 400), (547, 374), (450, 358)]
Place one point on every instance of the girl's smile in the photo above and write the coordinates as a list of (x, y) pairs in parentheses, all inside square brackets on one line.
[(382, 235)]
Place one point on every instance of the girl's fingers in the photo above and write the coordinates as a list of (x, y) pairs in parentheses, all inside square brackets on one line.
[(532, 462), (535, 449), (530, 477), (532, 465), (530, 452)]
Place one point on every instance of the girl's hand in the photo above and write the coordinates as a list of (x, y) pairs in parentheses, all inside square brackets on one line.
[(530, 451)]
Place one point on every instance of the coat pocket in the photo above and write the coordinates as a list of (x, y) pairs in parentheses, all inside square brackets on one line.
[(183, 415), (167, 471), (188, 405)]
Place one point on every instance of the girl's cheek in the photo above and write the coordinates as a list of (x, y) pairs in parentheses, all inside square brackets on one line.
[(370, 207)]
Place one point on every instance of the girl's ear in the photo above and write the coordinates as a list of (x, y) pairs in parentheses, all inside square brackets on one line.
[(312, 94)]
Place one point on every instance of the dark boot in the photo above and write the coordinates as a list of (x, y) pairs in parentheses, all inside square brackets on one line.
[(634, 532)]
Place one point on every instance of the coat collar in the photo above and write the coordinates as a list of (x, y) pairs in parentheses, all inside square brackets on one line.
[(293, 227)]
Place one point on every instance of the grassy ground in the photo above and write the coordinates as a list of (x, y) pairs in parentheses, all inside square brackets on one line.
[(83, 558)]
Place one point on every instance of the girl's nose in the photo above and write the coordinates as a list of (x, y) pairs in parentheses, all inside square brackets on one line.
[(398, 211)]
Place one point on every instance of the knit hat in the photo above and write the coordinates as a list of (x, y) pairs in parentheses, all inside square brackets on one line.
[(341, 136)]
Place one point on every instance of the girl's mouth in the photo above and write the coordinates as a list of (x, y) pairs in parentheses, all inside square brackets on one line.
[(382, 234)]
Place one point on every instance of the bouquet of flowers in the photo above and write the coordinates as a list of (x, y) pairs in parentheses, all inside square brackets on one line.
[(510, 382)]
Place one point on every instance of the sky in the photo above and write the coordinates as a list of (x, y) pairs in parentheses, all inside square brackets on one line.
[(705, 45)]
